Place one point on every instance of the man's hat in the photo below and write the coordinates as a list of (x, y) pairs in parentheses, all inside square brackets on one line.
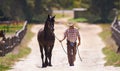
[(70, 24)]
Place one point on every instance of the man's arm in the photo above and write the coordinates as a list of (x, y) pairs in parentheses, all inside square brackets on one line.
[(65, 35), (79, 39), (62, 39)]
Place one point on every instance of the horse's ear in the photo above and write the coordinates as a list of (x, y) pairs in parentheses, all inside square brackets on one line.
[(48, 16), (53, 17)]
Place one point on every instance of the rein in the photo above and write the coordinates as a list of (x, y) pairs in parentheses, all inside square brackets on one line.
[(79, 54)]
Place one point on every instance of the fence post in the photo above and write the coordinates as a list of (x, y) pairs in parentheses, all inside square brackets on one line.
[(10, 43), (115, 27)]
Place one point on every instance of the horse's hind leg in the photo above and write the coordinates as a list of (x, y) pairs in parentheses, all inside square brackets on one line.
[(42, 56), (50, 55)]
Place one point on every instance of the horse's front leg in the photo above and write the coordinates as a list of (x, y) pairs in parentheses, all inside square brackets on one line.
[(46, 56), (42, 56), (50, 55)]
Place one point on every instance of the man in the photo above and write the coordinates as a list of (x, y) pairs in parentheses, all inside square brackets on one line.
[(72, 34)]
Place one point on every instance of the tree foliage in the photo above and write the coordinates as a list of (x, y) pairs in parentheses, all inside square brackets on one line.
[(102, 8), (37, 10)]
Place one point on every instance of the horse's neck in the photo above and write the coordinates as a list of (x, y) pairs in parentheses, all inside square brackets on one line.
[(47, 32), (48, 35)]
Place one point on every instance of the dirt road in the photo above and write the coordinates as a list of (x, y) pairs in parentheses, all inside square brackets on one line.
[(90, 51)]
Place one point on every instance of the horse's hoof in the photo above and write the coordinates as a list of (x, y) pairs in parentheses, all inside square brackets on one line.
[(50, 65), (46, 62), (44, 65)]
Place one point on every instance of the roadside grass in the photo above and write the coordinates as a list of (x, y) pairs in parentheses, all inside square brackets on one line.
[(78, 20), (57, 15), (112, 58), (11, 28), (7, 61)]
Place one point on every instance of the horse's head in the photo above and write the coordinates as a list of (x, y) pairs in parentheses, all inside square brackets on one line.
[(49, 24)]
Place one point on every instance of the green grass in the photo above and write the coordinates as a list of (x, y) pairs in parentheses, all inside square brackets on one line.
[(3, 67), (79, 20), (11, 28), (119, 17), (57, 15), (112, 57), (7, 61)]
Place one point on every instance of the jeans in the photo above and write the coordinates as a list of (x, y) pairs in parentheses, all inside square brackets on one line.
[(71, 52)]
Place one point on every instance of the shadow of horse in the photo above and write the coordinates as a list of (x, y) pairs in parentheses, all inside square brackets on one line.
[(46, 39)]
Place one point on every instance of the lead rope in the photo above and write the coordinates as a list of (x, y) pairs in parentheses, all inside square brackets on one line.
[(66, 52), (79, 54), (61, 45)]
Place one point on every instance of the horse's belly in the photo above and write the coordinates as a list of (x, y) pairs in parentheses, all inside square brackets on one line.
[(46, 43)]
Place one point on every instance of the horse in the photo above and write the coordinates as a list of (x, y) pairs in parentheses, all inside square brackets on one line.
[(46, 39)]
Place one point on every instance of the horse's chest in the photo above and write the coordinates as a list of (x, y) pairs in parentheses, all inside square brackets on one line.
[(49, 39), (49, 43), (46, 39)]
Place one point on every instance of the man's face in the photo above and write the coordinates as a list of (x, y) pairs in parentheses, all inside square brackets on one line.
[(71, 26)]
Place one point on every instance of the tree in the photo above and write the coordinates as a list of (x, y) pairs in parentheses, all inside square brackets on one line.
[(117, 4), (38, 8), (26, 9), (65, 4), (102, 8), (5, 9), (76, 3), (1, 12), (85, 3)]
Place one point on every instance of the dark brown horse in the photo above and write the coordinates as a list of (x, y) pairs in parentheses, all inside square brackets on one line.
[(46, 39)]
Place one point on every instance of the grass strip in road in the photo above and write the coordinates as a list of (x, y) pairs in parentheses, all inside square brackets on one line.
[(112, 58), (7, 61)]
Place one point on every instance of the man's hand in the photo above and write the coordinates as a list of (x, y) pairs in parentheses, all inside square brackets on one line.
[(78, 44), (60, 40)]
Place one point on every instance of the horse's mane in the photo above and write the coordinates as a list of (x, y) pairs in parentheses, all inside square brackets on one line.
[(47, 31)]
